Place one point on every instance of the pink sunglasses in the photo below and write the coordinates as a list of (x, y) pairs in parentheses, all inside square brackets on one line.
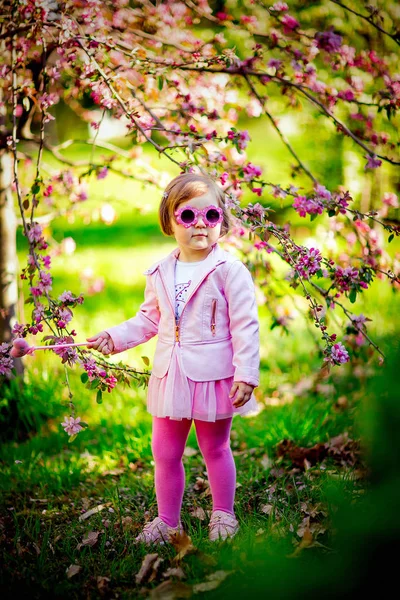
[(188, 216)]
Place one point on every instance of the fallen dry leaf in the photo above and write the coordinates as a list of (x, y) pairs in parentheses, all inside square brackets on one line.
[(201, 484), (94, 511), (73, 570), (127, 523), (306, 542), (169, 590), (174, 572), (182, 544), (266, 462), (102, 584), (200, 513), (267, 508), (213, 581), (146, 568), (117, 471), (90, 539), (190, 451)]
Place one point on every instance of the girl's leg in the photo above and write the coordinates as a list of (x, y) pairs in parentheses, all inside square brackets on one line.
[(167, 444), (214, 442)]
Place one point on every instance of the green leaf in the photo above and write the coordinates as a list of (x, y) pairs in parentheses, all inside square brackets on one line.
[(353, 295), (160, 83), (145, 360), (94, 384), (332, 213), (35, 188), (391, 236), (99, 397), (84, 377), (72, 437)]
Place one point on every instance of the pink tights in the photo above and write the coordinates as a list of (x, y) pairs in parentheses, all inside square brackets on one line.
[(168, 443)]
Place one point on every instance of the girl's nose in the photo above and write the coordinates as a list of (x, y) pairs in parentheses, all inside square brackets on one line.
[(200, 223)]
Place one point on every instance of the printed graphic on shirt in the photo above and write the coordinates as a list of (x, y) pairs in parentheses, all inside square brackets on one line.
[(181, 292)]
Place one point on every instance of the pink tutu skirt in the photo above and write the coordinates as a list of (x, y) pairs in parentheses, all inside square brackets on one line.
[(178, 397)]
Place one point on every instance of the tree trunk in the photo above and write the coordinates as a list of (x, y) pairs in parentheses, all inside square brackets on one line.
[(8, 254)]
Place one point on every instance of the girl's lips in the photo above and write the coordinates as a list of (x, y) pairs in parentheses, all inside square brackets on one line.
[(200, 235)]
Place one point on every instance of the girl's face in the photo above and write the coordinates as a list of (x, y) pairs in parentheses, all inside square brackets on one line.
[(195, 242)]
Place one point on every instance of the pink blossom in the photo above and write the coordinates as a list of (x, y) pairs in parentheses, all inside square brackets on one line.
[(339, 353), (304, 206), (328, 40), (280, 6), (251, 20), (358, 321), (257, 191), (278, 192), (80, 193), (36, 291), (372, 162), (251, 171), (260, 245), (102, 174), (346, 95), (390, 199), (38, 313), (34, 232), (111, 382), (66, 297), (309, 263), (322, 192), (71, 425), (45, 281), (18, 329), (6, 365), (224, 177), (244, 137), (274, 63), (289, 23)]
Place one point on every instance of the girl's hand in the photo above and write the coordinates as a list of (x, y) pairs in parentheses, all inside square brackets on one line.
[(244, 391), (102, 342)]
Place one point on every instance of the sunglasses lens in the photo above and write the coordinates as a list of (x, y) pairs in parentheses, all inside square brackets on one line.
[(187, 216), (212, 215)]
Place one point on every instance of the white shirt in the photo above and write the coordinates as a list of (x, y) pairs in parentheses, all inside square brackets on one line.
[(183, 278)]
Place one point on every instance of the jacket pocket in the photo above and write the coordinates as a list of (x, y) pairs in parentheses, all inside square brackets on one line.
[(213, 323)]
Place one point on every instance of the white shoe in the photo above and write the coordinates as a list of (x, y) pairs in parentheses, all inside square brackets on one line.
[(157, 532)]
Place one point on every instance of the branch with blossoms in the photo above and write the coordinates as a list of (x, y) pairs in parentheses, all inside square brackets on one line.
[(307, 262)]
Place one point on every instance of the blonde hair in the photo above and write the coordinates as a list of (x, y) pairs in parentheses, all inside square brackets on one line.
[(183, 188)]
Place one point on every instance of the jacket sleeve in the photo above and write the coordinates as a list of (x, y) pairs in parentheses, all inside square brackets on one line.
[(141, 327), (244, 325)]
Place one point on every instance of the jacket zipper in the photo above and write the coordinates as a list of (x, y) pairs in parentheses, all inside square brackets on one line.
[(177, 337), (213, 310)]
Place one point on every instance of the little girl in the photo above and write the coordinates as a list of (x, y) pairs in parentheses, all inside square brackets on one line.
[(200, 300)]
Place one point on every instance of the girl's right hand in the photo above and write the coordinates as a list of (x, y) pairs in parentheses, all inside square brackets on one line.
[(102, 342)]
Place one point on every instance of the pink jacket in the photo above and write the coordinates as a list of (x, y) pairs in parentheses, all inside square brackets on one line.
[(218, 329)]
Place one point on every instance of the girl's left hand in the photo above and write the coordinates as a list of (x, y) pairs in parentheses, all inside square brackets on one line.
[(244, 391)]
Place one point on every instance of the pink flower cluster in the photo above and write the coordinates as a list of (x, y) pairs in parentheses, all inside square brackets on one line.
[(308, 206), (71, 425), (328, 40), (347, 278), (239, 137), (339, 354), (251, 171), (309, 262), (95, 372)]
